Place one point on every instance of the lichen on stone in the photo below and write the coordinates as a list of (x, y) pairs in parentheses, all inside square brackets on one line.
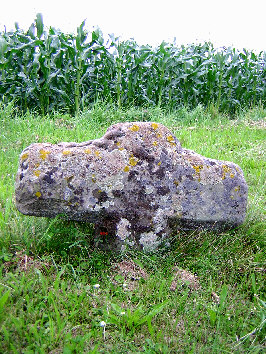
[(66, 152), (43, 154), (24, 156), (134, 128), (37, 173)]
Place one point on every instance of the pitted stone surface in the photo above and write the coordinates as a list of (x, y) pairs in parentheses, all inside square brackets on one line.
[(136, 184)]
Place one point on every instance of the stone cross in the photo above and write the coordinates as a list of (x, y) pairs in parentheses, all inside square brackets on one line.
[(136, 184)]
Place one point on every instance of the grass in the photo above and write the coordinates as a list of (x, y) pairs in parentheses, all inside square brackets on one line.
[(206, 294)]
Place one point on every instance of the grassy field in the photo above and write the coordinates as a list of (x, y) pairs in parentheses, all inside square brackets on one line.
[(58, 294)]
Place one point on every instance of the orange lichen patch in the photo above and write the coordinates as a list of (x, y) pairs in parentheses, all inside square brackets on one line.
[(126, 169), (87, 151), (134, 128), (24, 156), (43, 154), (37, 173), (133, 161), (154, 126), (170, 139), (155, 143), (66, 152), (38, 194)]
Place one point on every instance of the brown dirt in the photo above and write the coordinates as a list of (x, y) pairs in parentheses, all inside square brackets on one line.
[(23, 263), (130, 272), (184, 277)]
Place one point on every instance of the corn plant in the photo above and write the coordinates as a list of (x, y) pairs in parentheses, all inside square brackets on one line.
[(45, 70)]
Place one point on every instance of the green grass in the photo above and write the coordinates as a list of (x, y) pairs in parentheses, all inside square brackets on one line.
[(48, 268)]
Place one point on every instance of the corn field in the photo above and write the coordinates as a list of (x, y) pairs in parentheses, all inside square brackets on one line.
[(46, 70)]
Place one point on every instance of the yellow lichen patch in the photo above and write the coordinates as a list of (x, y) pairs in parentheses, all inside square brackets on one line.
[(176, 182), (159, 163), (93, 178), (126, 169), (43, 154), (66, 152), (134, 128), (226, 169), (97, 153), (155, 143), (159, 135), (237, 189), (170, 139), (24, 156), (38, 194), (37, 165), (198, 168), (87, 151), (173, 144), (154, 126), (133, 161), (118, 144), (232, 175), (37, 173), (99, 191)]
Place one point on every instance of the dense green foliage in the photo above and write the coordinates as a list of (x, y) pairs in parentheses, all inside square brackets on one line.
[(46, 70), (48, 268)]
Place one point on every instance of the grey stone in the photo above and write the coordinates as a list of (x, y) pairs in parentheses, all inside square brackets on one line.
[(136, 184)]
